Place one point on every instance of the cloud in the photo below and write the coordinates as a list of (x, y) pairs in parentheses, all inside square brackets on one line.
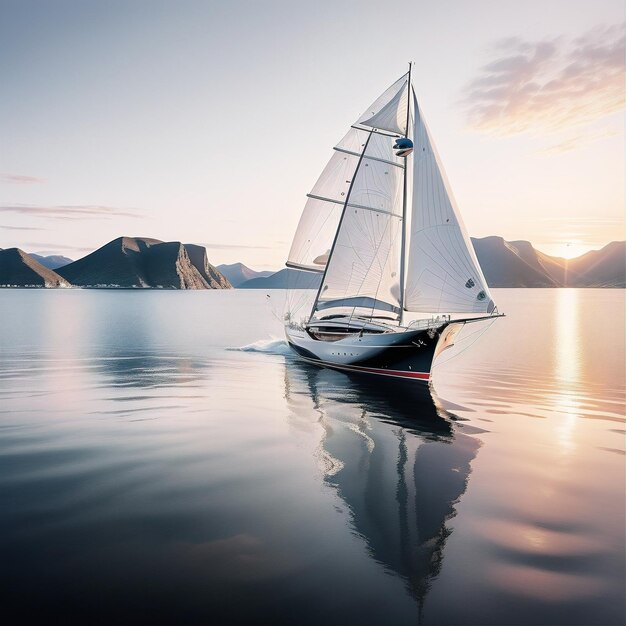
[(52, 248), (21, 179), (224, 246), (68, 212), (610, 220), (588, 230), (549, 85), (21, 228), (571, 143)]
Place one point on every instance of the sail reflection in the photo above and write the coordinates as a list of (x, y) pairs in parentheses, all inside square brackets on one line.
[(397, 459)]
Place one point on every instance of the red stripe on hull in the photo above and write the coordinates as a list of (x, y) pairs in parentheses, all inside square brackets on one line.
[(372, 370)]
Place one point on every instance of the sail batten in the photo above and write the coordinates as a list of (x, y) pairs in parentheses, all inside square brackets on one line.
[(310, 195), (371, 158), (304, 268), (355, 206), (378, 131)]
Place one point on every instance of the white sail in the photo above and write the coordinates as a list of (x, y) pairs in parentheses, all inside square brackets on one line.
[(351, 227), (315, 235), (320, 219), (364, 269), (385, 106), (443, 273), (392, 117)]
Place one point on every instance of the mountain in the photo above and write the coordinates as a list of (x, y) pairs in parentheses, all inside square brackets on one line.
[(505, 264), (511, 264), (285, 279), (142, 262), (213, 277), (52, 262), (519, 264), (598, 268), (238, 273), (19, 269)]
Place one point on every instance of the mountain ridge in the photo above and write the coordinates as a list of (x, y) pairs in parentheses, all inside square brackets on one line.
[(18, 268), (238, 273), (51, 261), (142, 262), (509, 264)]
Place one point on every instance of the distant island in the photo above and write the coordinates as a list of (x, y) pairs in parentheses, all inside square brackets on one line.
[(144, 263)]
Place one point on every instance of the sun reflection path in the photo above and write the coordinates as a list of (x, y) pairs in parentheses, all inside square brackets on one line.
[(567, 366)]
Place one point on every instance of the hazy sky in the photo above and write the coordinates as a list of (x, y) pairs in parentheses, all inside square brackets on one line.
[(208, 122)]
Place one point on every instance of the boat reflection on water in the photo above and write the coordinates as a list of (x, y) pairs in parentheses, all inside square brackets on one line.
[(395, 455)]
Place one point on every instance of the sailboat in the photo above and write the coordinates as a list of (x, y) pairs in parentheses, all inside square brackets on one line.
[(382, 228)]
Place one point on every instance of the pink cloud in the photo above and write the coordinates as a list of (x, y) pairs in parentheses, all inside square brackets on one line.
[(68, 212), (21, 179), (548, 85)]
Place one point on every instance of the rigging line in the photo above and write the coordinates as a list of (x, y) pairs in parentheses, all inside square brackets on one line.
[(404, 194), (456, 354)]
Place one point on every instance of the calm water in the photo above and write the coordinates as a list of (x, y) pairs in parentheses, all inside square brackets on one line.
[(151, 474)]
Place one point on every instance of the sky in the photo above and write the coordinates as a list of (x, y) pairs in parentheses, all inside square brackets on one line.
[(208, 122)]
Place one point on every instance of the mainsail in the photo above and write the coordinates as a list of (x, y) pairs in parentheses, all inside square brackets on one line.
[(352, 230), (364, 269)]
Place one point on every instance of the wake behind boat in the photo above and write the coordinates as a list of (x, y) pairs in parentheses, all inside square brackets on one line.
[(382, 228)]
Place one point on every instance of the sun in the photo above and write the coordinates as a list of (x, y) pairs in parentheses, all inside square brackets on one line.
[(570, 249)]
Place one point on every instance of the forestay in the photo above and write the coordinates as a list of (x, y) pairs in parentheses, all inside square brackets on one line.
[(443, 272)]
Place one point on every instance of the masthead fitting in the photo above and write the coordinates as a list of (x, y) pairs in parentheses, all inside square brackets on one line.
[(403, 147)]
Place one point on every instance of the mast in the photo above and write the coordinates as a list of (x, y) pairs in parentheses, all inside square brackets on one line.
[(404, 195), (343, 213)]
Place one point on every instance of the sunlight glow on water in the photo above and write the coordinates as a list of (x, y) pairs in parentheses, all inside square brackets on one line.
[(567, 364)]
